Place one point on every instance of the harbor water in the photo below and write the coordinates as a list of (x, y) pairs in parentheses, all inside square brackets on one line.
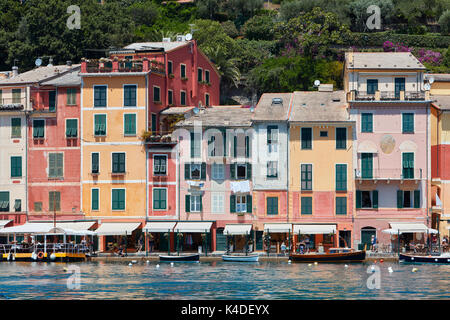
[(221, 280)]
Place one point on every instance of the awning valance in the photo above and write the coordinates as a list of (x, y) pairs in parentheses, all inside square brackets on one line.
[(403, 227), (237, 229), (43, 228), (117, 228), (159, 226), (196, 227), (314, 228), (3, 223), (277, 227)]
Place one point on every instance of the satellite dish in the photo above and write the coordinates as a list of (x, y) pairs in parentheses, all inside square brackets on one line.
[(38, 62), (188, 36), (196, 110), (427, 86), (316, 83), (252, 109), (431, 79)]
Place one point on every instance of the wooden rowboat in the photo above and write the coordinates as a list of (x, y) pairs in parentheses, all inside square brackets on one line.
[(353, 256), (182, 258), (238, 258), (443, 258)]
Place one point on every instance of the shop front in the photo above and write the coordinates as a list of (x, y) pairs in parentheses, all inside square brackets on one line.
[(120, 237), (158, 236), (278, 237), (314, 237), (238, 237), (193, 236)]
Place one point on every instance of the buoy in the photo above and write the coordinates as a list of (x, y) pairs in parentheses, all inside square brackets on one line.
[(289, 261), (309, 265), (414, 269), (316, 263), (65, 269), (52, 256), (346, 266), (171, 264), (373, 268), (390, 270), (148, 261), (381, 260), (130, 264), (157, 265)]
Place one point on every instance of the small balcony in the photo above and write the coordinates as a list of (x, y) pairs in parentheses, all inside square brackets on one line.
[(388, 175), (158, 139), (12, 104), (356, 95), (106, 65)]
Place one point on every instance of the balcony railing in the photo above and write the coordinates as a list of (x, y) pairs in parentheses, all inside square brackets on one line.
[(7, 104), (389, 96), (114, 65), (158, 137), (388, 174)]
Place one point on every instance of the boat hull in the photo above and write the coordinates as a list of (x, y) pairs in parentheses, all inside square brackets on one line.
[(191, 257), (424, 259), (59, 257), (251, 258), (356, 256)]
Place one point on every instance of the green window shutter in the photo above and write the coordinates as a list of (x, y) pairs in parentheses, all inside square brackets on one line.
[(408, 122), (156, 199), (341, 138), (188, 203), (306, 205), (341, 177), (233, 171), (399, 199), (247, 146), (71, 96), (341, 205), (156, 94), (232, 203), (249, 171), (207, 76), (52, 101), (115, 160), (183, 98), (114, 199), (306, 177), (235, 147), (100, 124), (170, 97), (60, 164), (201, 203), (51, 165), (358, 199), (130, 124), (122, 162), (54, 201), (16, 167), (121, 199), (372, 86), (366, 122), (16, 124), (183, 71), (94, 201), (163, 197), (95, 163), (408, 165), (203, 171), (416, 198), (199, 75), (306, 138), (249, 203), (18, 205), (38, 128), (192, 145), (375, 199), (100, 96), (367, 165), (187, 171), (71, 128), (16, 94)]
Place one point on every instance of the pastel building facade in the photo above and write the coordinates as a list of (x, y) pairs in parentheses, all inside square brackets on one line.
[(392, 159), (321, 188)]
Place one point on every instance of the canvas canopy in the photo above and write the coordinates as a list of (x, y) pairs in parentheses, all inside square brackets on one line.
[(314, 228), (159, 226), (277, 227), (117, 228), (237, 229), (195, 227)]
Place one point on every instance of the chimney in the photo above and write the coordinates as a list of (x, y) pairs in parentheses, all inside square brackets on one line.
[(15, 71)]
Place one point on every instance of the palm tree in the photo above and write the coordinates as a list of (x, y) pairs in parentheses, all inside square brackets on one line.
[(227, 67)]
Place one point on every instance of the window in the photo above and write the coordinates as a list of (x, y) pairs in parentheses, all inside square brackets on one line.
[(16, 95), (196, 139), (241, 171), (99, 96), (366, 122), (183, 98), (399, 86), (306, 205), (4, 201), (196, 171), (372, 86), (183, 71), (159, 165), (71, 128), (408, 165), (1, 97), (129, 95), (100, 125), (170, 67), (272, 205), (212, 146), (408, 122), (218, 202), (341, 205), (18, 205), (118, 162), (38, 206), (94, 199), (16, 167), (272, 169), (156, 94), (306, 177), (323, 134), (71, 96), (38, 129), (16, 131), (207, 99), (52, 101), (129, 124), (55, 165), (159, 198), (218, 171), (408, 199), (170, 97), (54, 201), (341, 177), (241, 145), (241, 203), (207, 76), (272, 138), (199, 75), (196, 203), (341, 138), (306, 138), (367, 165), (95, 168), (154, 122), (118, 199), (366, 199)]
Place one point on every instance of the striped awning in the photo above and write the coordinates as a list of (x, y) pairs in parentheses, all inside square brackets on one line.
[(277, 227), (195, 227), (3, 223), (237, 229), (117, 228), (315, 228), (159, 226)]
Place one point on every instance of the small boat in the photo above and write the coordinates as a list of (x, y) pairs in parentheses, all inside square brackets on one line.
[(181, 258), (239, 258), (339, 256), (443, 258)]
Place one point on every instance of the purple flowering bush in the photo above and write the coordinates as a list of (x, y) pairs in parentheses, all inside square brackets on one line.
[(423, 55)]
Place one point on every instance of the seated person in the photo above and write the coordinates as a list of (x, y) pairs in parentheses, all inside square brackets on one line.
[(283, 247)]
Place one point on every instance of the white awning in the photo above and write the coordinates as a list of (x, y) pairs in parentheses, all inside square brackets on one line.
[(403, 227), (240, 186), (76, 225), (3, 223), (237, 229), (117, 228), (159, 226), (41, 228), (277, 227), (314, 228), (196, 227)]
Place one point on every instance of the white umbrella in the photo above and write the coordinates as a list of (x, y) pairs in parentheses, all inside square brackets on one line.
[(390, 231)]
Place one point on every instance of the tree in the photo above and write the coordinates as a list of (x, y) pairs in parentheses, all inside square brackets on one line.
[(210, 35), (259, 28), (444, 22), (359, 15), (230, 29), (144, 12), (291, 9)]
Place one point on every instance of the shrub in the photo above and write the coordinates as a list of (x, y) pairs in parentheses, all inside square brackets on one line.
[(444, 22)]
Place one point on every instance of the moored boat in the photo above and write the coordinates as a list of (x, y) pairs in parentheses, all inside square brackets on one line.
[(241, 258), (181, 258), (352, 256), (443, 258)]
